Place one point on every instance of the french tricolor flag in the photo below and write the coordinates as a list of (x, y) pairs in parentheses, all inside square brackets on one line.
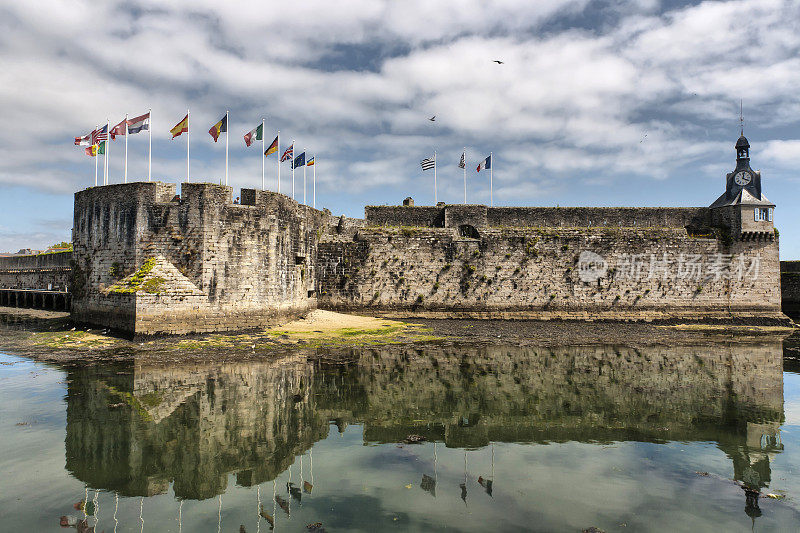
[(486, 163)]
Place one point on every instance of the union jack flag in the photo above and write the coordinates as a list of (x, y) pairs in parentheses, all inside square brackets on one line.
[(288, 154), (100, 134)]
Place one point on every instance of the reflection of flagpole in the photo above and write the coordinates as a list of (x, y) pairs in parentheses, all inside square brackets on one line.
[(116, 506), (180, 517), (125, 178), (311, 452), (219, 509), (258, 509), (227, 129), (150, 144)]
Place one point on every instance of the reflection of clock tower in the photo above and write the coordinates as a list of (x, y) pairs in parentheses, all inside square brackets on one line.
[(742, 208)]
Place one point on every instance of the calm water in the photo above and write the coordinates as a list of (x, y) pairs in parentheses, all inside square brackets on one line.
[(516, 439)]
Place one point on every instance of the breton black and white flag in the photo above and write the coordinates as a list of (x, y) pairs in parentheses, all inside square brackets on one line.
[(463, 162), (428, 163)]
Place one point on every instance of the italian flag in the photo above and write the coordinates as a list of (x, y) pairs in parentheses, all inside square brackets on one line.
[(254, 135)]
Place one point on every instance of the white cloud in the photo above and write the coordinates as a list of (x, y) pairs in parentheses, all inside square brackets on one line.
[(354, 81)]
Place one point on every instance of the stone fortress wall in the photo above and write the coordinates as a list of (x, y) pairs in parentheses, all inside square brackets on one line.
[(147, 261), (40, 272), (585, 263)]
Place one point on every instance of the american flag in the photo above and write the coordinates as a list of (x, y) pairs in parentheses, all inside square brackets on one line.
[(288, 154), (100, 134)]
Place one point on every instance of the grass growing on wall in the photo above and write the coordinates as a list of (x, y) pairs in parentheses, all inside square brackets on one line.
[(137, 281)]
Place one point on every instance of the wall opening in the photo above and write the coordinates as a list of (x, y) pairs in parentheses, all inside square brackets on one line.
[(465, 230)]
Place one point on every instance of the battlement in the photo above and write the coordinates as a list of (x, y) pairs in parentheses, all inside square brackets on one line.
[(150, 261), (481, 216), (147, 260)]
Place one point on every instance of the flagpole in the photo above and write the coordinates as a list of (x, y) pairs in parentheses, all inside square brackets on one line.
[(491, 169), (150, 144), (314, 193), (95, 170), (227, 129), (435, 197), (187, 144), (108, 153), (292, 169), (263, 149), (279, 154), (304, 180), (126, 148), (465, 175)]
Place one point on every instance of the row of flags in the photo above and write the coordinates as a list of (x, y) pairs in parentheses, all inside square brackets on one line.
[(485, 164), (250, 138), (96, 142), (430, 162)]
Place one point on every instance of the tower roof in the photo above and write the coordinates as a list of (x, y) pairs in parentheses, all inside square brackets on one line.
[(742, 142)]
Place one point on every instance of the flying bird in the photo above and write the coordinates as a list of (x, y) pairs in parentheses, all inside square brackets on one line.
[(433, 118), (643, 138), (498, 61)]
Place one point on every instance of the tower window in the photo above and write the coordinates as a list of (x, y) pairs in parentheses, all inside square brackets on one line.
[(763, 214)]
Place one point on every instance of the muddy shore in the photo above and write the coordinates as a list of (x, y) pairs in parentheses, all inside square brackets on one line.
[(51, 336)]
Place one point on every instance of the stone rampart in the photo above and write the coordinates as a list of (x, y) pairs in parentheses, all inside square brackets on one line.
[(546, 272), (46, 272), (150, 262), (790, 287), (567, 217)]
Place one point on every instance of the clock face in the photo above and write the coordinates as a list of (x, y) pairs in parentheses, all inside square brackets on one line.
[(742, 177)]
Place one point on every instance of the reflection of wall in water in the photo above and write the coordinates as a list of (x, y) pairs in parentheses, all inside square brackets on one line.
[(194, 425)]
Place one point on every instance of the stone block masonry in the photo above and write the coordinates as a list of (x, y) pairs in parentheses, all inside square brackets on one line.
[(223, 266), (544, 263), (790, 287), (147, 262)]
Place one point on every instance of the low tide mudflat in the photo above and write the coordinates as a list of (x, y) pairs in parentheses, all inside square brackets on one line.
[(341, 423)]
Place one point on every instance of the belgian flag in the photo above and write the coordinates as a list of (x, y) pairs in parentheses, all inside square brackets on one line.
[(219, 127)]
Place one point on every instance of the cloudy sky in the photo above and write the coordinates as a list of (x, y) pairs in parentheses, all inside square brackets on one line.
[(612, 102)]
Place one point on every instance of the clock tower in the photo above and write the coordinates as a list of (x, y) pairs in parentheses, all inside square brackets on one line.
[(742, 209), (743, 177)]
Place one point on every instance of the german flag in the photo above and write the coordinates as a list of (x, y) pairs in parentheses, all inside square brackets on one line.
[(219, 127), (272, 148), (180, 127)]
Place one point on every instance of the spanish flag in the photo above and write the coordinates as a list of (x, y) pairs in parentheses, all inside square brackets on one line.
[(180, 127), (91, 150), (272, 148), (219, 127)]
